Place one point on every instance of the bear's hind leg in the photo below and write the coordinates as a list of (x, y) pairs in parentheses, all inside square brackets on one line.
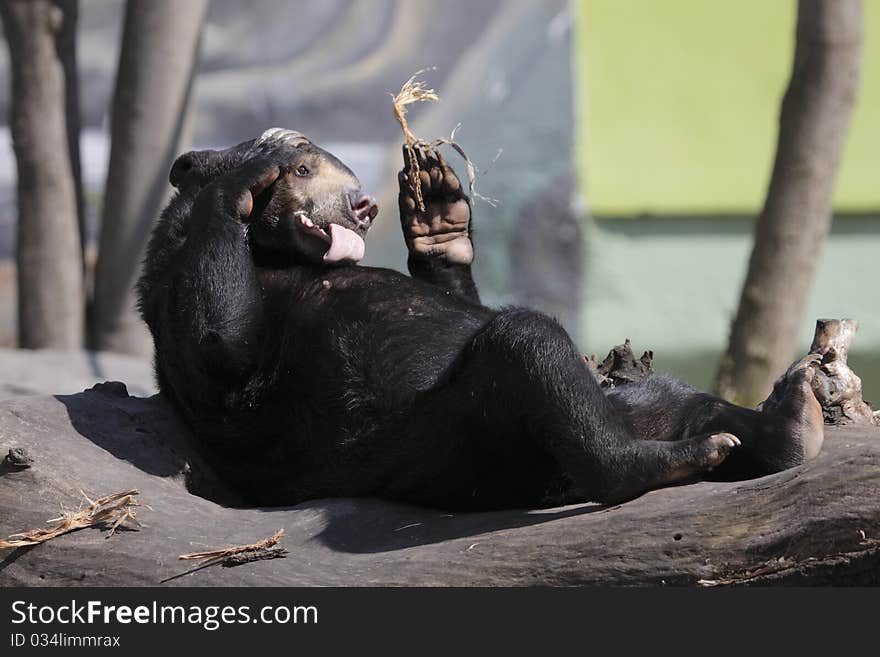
[(520, 387), (782, 435)]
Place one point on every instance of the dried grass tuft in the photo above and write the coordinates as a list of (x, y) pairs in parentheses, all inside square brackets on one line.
[(415, 91), (412, 91), (116, 508), (222, 554)]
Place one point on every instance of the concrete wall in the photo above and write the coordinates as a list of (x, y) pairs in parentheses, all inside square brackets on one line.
[(503, 70), (678, 106), (672, 285)]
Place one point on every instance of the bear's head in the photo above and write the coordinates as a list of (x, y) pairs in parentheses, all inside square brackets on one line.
[(315, 212)]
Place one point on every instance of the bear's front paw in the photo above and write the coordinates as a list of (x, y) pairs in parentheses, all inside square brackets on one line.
[(442, 230)]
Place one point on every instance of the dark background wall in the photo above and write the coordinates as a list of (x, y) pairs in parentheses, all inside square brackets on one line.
[(503, 70)]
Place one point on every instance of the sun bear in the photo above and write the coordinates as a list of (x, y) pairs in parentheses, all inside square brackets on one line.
[(304, 375)]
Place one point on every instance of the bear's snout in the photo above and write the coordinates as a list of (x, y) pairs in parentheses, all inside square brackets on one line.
[(363, 208)]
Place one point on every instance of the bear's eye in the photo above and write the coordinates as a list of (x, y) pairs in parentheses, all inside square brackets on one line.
[(302, 170)]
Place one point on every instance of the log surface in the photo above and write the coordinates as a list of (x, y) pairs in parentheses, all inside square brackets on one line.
[(815, 524)]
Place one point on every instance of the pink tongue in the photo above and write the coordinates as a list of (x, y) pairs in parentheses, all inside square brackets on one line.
[(345, 245)]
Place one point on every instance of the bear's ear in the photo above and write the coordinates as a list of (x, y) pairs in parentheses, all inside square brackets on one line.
[(181, 169)]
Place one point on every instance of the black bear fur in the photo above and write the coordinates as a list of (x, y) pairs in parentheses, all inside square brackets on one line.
[(304, 380)]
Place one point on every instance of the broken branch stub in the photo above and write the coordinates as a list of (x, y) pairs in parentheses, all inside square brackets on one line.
[(18, 458), (836, 386), (621, 366)]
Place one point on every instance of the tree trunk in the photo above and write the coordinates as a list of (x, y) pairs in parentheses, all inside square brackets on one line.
[(156, 66), (66, 44), (49, 256), (796, 217)]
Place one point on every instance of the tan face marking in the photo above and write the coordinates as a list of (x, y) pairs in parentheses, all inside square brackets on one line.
[(327, 188), (321, 194)]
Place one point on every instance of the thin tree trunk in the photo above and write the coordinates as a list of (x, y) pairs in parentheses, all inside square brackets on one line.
[(813, 124), (67, 52), (156, 66), (49, 256)]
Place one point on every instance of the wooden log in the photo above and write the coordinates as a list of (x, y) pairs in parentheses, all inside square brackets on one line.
[(815, 524)]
